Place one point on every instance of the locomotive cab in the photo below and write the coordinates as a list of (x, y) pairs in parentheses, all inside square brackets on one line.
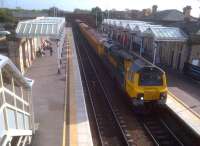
[(146, 83)]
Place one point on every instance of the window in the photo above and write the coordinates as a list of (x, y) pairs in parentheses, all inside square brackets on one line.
[(150, 77), (129, 75), (195, 62)]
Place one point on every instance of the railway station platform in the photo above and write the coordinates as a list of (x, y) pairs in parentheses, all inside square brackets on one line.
[(79, 132), (48, 99), (184, 88), (184, 99), (59, 104)]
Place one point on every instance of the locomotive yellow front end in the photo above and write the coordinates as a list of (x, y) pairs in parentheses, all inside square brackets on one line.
[(145, 83)]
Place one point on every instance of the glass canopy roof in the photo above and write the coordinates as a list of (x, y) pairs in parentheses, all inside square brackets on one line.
[(159, 32), (41, 26), (166, 33)]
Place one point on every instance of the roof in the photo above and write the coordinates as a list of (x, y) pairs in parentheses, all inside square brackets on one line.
[(4, 33), (8, 65), (188, 27), (172, 15), (159, 32), (166, 33), (169, 15), (41, 26), (123, 23)]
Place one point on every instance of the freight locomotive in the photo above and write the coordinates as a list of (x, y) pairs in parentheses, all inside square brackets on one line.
[(142, 81)]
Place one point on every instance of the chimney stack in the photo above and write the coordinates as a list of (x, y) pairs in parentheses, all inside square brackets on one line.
[(186, 12), (146, 12), (154, 9)]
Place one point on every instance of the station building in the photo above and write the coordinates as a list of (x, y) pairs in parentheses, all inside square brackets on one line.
[(160, 44), (174, 34)]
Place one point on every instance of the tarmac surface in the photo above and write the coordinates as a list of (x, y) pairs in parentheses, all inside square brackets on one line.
[(48, 100)]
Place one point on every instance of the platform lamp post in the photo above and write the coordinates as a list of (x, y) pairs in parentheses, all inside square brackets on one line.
[(141, 46), (96, 18), (155, 51), (131, 43), (59, 50), (58, 56)]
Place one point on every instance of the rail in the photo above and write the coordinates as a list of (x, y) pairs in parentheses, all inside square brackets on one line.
[(160, 133), (105, 104)]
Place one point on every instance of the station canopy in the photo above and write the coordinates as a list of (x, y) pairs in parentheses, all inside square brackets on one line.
[(159, 32), (166, 34), (41, 26)]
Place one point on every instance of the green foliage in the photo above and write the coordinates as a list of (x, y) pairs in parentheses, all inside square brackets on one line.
[(6, 15), (98, 14), (82, 11)]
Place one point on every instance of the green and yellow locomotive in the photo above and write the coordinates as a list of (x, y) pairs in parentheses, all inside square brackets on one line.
[(141, 80)]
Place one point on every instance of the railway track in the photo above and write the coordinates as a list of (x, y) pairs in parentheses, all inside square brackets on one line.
[(109, 130), (156, 128)]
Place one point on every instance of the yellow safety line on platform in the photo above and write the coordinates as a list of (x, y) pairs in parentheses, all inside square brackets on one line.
[(65, 110), (73, 104), (64, 128), (182, 103)]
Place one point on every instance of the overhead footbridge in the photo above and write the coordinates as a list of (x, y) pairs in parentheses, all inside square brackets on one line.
[(16, 110)]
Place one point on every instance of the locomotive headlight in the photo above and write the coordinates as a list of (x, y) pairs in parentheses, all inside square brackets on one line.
[(162, 97), (140, 96)]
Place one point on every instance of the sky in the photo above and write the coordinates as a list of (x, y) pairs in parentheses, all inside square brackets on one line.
[(105, 4)]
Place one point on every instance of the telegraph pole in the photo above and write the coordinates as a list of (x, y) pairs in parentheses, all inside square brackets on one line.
[(96, 17)]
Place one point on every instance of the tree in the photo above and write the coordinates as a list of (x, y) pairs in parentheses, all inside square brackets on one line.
[(6, 15), (98, 14)]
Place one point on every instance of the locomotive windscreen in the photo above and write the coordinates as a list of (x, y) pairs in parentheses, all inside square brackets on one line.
[(150, 77)]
